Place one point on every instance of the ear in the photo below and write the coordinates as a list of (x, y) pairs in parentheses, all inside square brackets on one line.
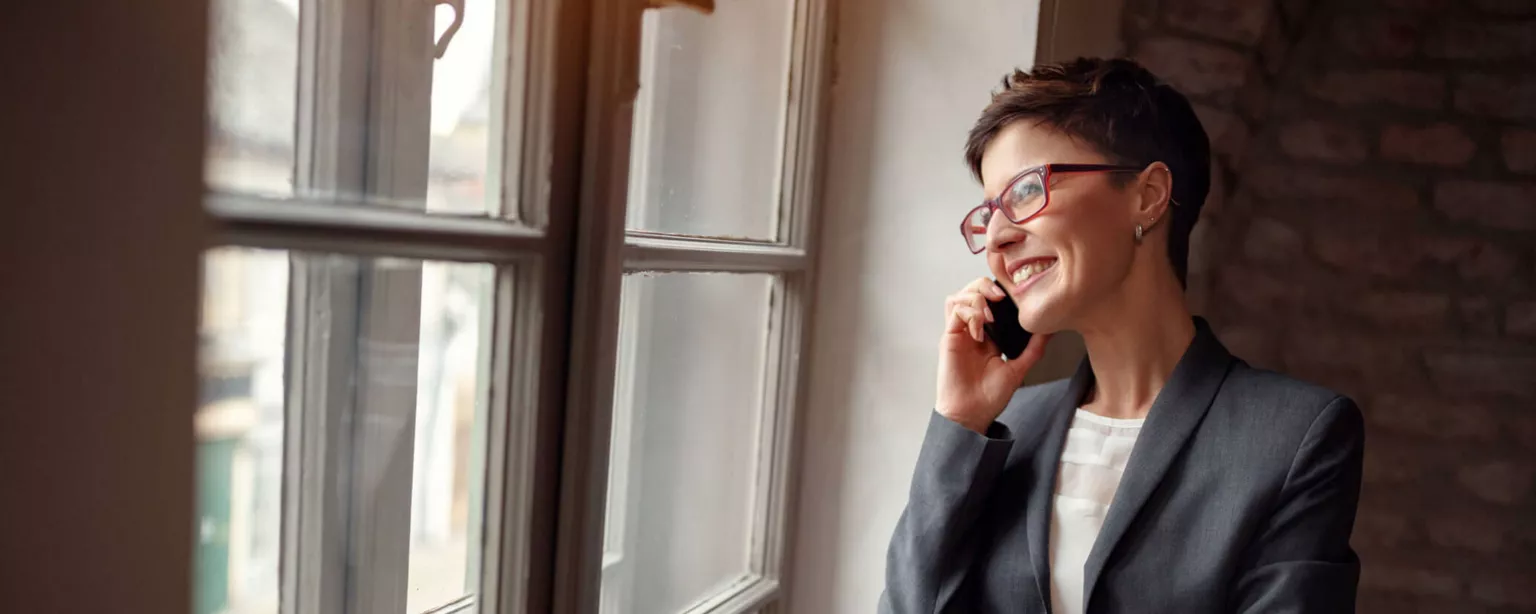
[(1155, 186)]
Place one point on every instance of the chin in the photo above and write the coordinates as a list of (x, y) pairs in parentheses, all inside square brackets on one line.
[(1041, 316)]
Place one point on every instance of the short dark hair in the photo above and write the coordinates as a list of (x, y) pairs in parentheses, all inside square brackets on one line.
[(1123, 111)]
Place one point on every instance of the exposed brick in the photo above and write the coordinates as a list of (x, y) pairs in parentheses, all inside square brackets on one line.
[(1255, 100), (1508, 206), (1228, 132), (1510, 588), (1498, 481), (1520, 149), (1403, 311), (1238, 22), (1478, 316), (1520, 319), (1464, 40), (1292, 184), (1508, 8), (1440, 144), (1258, 292), (1197, 69), (1404, 88), (1433, 417), (1271, 241), (1501, 96), (1274, 48), (1381, 528), (1415, 257), (1295, 11), (1474, 260), (1327, 141), (1417, 6), (1350, 363), (1397, 579), (1377, 36), (1257, 345), (1524, 432), (1393, 464), (1480, 372), (1481, 535)]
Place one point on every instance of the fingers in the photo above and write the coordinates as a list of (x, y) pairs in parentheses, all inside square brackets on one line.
[(988, 288), (969, 318), (968, 310)]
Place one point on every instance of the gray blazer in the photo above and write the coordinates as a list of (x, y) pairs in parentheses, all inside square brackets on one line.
[(1239, 496)]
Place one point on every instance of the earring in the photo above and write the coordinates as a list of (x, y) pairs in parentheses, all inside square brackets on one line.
[(1139, 232)]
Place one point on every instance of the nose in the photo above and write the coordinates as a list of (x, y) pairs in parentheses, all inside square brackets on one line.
[(1002, 233)]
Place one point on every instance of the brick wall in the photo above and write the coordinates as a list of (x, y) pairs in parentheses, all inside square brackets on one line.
[(1373, 229)]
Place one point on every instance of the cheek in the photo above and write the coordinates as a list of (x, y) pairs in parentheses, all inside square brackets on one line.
[(1090, 252)]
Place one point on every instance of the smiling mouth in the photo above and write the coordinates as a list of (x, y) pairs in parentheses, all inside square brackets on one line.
[(1023, 274)]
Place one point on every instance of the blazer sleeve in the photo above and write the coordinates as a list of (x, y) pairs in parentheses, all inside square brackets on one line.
[(1301, 561), (956, 470)]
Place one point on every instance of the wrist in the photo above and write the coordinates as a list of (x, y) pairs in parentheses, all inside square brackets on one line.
[(968, 420)]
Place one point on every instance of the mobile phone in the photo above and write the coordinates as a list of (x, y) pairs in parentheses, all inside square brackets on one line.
[(1004, 329)]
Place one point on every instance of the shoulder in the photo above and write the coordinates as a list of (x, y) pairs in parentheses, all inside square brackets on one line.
[(1279, 395), (1277, 409)]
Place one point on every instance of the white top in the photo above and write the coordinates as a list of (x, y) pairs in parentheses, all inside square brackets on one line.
[(1092, 462)]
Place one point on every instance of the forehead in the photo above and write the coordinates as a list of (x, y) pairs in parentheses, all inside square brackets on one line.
[(1026, 144)]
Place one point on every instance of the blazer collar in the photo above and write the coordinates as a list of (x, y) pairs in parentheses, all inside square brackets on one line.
[(1174, 415)]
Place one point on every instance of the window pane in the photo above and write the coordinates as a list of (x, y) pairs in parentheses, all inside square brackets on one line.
[(390, 402), (450, 424), (685, 439), (709, 120), (462, 110), (253, 78), (239, 431)]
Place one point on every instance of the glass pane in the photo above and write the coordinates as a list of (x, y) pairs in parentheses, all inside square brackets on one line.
[(688, 403), (450, 424), (462, 110), (239, 430), (253, 80), (404, 343), (709, 120)]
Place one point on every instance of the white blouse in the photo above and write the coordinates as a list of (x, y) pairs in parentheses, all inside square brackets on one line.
[(1092, 462)]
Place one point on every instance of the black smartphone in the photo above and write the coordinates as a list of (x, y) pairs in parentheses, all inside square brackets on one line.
[(1004, 329)]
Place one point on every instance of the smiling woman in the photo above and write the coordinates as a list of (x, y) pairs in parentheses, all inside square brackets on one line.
[(1250, 478)]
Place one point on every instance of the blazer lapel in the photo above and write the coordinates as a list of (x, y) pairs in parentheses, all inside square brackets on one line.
[(1042, 492), (1175, 413)]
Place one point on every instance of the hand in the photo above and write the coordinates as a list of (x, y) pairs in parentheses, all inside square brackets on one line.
[(975, 382)]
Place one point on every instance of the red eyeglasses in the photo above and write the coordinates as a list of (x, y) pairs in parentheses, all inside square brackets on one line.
[(1025, 197)]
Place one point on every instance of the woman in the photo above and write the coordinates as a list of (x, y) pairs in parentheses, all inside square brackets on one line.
[(1166, 475)]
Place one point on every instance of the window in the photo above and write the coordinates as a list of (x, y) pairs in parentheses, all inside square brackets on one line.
[(421, 376), (715, 291)]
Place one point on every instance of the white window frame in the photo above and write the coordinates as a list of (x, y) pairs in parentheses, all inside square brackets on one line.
[(566, 82), (362, 136), (790, 259)]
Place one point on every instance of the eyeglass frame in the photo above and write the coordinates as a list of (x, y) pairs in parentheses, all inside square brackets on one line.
[(1045, 171)]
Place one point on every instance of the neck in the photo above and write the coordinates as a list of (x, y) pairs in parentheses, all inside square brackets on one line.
[(1134, 342)]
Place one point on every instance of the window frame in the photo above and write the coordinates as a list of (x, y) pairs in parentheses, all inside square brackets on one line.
[(566, 84), (791, 259)]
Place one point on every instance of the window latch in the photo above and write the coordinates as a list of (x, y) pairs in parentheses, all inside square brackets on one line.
[(441, 46)]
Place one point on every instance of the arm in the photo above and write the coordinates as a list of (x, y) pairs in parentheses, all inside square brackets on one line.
[(955, 472), (1301, 560)]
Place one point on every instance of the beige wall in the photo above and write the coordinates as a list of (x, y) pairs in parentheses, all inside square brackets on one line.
[(100, 243), (911, 76)]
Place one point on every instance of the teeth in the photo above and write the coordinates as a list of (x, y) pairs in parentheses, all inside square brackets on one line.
[(1030, 270)]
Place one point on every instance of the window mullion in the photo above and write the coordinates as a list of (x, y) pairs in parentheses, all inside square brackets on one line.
[(400, 69), (331, 137)]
